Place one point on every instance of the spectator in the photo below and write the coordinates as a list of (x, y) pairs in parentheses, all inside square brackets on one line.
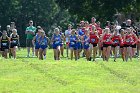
[(30, 32)]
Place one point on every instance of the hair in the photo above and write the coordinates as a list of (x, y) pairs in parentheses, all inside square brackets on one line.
[(56, 30), (14, 30), (106, 29)]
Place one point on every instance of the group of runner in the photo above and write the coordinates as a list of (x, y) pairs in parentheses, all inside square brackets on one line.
[(9, 40), (113, 40), (87, 40)]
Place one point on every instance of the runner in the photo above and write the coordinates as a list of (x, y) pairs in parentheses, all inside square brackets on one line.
[(127, 44), (14, 41), (62, 42), (73, 44), (43, 42), (36, 40), (4, 44), (85, 41), (56, 40), (94, 39), (134, 42), (107, 43), (122, 31), (116, 41)]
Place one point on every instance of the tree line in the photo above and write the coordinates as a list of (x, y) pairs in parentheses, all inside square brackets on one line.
[(51, 13)]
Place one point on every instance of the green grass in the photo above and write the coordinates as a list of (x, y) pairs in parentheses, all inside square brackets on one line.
[(29, 75)]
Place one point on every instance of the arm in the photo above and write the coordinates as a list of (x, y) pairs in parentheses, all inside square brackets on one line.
[(33, 41), (18, 41), (52, 39), (48, 40), (136, 39), (9, 42), (0, 42), (102, 37)]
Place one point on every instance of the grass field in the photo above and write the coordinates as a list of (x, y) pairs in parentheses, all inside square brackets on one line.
[(29, 75)]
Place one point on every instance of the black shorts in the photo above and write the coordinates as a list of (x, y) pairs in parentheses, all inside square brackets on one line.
[(29, 43), (106, 45), (101, 48), (121, 46), (94, 45), (125, 45), (13, 45), (3, 48), (134, 46), (115, 45)]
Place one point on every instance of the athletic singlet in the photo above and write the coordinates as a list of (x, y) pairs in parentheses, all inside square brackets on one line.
[(106, 39), (86, 40), (37, 39), (128, 40), (43, 41), (134, 39), (4, 42), (14, 39), (93, 38), (73, 39), (116, 39), (57, 39)]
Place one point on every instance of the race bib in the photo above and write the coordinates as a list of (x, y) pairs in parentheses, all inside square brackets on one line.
[(93, 40), (4, 44), (116, 41), (73, 39), (56, 42), (72, 43), (86, 43), (107, 40), (128, 40), (14, 41), (43, 43)]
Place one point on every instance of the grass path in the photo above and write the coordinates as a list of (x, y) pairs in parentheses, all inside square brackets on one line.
[(29, 75)]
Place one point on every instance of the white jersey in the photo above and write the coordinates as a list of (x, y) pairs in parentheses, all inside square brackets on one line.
[(67, 34)]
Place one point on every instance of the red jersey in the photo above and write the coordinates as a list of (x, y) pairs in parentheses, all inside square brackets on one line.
[(116, 39), (134, 39), (93, 38), (107, 39), (100, 31), (128, 40)]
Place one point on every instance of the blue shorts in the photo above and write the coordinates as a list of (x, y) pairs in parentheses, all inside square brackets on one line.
[(61, 44), (86, 47), (43, 47), (55, 46), (73, 46), (79, 45), (37, 46)]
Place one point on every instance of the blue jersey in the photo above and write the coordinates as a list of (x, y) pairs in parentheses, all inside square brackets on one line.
[(86, 42), (73, 40), (56, 41), (79, 43), (43, 42), (37, 40), (80, 32)]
